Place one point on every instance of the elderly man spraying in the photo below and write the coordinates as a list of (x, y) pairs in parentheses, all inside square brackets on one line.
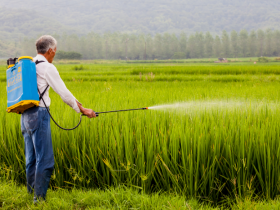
[(35, 121)]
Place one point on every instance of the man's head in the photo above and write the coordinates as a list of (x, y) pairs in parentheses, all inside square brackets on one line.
[(46, 46)]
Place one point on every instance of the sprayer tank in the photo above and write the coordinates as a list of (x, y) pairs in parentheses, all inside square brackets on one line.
[(22, 85)]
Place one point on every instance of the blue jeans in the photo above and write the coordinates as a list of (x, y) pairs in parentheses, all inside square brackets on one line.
[(36, 130)]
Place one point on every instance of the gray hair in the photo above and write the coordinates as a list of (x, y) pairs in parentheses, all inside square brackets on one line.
[(44, 43)]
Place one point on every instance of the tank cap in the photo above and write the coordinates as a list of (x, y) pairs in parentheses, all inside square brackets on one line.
[(11, 61), (25, 57)]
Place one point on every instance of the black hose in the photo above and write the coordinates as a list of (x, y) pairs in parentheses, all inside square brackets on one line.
[(67, 129)]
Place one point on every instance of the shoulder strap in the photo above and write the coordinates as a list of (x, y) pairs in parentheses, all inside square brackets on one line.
[(41, 95), (37, 62)]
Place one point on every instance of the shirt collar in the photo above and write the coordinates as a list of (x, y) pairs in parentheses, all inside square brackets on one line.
[(40, 57)]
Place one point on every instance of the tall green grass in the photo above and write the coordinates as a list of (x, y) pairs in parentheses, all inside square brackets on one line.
[(13, 196), (211, 151)]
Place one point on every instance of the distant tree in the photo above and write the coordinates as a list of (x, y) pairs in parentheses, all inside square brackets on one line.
[(217, 46), (179, 55), (263, 60), (62, 45), (106, 48), (98, 47), (192, 47), (276, 43), (133, 50), (183, 42), (90, 45), (268, 42), (83, 47), (208, 44), (253, 43), (174, 42), (261, 37), (225, 44), (116, 52), (243, 42), (72, 43), (68, 55), (142, 46), (150, 49), (158, 46), (166, 46), (234, 43), (13, 49), (28, 47), (199, 39)]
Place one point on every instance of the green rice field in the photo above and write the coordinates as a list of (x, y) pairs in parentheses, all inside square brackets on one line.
[(215, 135)]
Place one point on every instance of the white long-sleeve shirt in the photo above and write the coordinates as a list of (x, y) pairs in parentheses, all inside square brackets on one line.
[(47, 74)]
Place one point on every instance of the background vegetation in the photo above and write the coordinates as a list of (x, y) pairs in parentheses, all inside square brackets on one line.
[(166, 46), (67, 55)]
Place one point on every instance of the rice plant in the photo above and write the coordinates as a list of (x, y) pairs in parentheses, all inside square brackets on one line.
[(214, 140)]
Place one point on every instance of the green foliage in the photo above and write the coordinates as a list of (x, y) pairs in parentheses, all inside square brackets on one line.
[(164, 46), (263, 59), (77, 68), (68, 55), (179, 55), (222, 142), (13, 196)]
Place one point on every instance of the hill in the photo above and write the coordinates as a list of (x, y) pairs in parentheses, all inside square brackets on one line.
[(30, 18)]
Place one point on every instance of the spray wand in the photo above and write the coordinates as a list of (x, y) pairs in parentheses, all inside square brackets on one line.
[(123, 110)]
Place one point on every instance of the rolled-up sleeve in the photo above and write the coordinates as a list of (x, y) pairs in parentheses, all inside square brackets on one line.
[(54, 80)]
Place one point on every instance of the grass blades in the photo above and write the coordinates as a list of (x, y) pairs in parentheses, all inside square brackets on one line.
[(223, 145)]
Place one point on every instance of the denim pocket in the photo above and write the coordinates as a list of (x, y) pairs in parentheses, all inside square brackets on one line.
[(31, 119)]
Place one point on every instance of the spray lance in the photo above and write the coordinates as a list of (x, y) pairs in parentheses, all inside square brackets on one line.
[(123, 110)]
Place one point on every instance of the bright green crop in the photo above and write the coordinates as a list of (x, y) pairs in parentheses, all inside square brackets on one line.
[(223, 141)]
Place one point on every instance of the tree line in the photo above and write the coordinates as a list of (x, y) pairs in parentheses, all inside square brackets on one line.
[(167, 46)]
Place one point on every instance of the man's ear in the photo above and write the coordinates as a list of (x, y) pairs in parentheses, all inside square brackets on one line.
[(49, 51)]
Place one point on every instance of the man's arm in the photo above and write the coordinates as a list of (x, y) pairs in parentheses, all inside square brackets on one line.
[(54, 80)]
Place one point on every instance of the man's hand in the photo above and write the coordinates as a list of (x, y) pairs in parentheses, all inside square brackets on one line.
[(88, 112)]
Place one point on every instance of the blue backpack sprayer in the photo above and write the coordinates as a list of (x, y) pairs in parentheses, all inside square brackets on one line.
[(22, 88)]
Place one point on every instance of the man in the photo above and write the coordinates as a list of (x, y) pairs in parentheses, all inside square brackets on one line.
[(35, 122)]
